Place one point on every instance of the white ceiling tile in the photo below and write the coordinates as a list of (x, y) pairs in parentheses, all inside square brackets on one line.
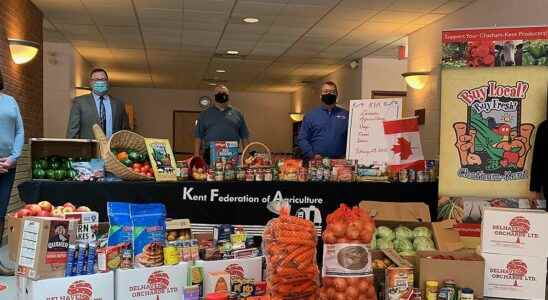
[(416, 5), (367, 4), (209, 5), (395, 17), (451, 7), (428, 18), (166, 4), (257, 9)]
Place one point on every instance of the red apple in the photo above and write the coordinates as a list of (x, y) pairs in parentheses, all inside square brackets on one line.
[(58, 212), (35, 209), (43, 213), (24, 212), (83, 209), (68, 204), (27, 206), (67, 209), (45, 205)]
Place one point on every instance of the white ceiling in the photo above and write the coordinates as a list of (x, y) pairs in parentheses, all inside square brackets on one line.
[(181, 43)]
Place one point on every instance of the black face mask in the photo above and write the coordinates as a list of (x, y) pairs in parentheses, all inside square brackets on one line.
[(221, 97), (329, 99)]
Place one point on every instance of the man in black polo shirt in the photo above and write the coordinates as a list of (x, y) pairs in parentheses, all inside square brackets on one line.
[(220, 122)]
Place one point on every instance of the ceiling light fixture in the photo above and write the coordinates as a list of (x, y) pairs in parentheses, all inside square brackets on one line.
[(232, 52), (22, 51), (416, 80), (220, 71), (296, 117), (250, 20)]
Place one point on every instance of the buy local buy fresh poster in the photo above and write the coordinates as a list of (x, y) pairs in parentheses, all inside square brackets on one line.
[(489, 121)]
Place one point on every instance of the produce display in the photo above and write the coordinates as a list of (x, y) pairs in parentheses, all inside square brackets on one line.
[(46, 209), (55, 168), (348, 232), (290, 249), (133, 159), (404, 240)]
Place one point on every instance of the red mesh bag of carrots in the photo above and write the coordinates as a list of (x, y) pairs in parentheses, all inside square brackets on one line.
[(347, 272), (289, 244)]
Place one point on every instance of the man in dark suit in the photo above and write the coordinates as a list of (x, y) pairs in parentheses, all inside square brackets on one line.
[(96, 108)]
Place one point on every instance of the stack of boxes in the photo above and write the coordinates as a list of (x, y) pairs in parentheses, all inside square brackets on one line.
[(514, 244)]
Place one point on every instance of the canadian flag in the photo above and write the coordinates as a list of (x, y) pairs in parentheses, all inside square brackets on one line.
[(403, 142)]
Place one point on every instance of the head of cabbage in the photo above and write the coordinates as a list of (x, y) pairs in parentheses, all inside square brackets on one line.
[(424, 244), (422, 232), (383, 244), (385, 233), (403, 232), (403, 245)]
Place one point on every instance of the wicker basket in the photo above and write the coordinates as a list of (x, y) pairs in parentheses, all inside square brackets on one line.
[(120, 139), (247, 149)]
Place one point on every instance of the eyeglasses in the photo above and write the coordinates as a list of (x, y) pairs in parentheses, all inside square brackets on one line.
[(325, 92)]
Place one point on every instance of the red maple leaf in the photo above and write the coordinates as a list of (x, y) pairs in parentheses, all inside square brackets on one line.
[(403, 147)]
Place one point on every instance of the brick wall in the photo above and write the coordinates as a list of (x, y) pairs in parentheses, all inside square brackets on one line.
[(20, 19)]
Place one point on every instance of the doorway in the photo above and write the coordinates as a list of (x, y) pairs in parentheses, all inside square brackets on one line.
[(184, 123)]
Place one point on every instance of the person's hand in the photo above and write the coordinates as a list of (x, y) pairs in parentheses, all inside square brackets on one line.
[(533, 197), (7, 163)]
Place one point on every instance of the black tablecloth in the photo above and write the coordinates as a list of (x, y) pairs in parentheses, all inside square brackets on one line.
[(206, 202)]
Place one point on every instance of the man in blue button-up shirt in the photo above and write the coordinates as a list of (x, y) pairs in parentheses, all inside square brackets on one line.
[(324, 129)]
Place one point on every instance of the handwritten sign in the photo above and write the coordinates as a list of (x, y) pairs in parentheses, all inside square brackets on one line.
[(366, 142)]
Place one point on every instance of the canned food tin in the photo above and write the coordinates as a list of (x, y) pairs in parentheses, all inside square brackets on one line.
[(219, 175), (210, 175), (240, 174), (268, 175), (444, 294), (326, 162), (302, 175), (219, 164), (249, 175), (431, 290), (452, 293), (259, 176), (411, 175), (171, 255), (230, 174), (402, 176), (467, 294), (421, 176)]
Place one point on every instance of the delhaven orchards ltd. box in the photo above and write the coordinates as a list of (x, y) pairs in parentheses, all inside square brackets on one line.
[(515, 232), (515, 277), (159, 283), (98, 286)]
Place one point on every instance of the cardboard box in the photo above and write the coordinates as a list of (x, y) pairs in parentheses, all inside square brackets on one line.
[(466, 273), (160, 283), (97, 286), (88, 225), (515, 277), (15, 225), (217, 282), (44, 245), (243, 268), (414, 215), (515, 232)]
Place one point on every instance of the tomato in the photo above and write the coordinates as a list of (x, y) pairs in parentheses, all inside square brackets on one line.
[(137, 165), (149, 174), (146, 167), (147, 163)]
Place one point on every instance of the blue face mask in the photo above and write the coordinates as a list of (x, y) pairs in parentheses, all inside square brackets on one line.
[(100, 87)]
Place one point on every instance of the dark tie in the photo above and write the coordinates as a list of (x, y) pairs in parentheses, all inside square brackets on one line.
[(102, 114)]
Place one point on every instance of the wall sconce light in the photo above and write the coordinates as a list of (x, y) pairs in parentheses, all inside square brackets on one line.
[(416, 80), (22, 51), (296, 117)]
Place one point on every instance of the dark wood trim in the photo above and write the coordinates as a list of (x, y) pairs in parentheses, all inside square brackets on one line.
[(173, 127), (388, 94)]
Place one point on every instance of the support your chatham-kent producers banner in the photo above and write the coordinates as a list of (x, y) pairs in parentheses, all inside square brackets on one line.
[(494, 96)]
